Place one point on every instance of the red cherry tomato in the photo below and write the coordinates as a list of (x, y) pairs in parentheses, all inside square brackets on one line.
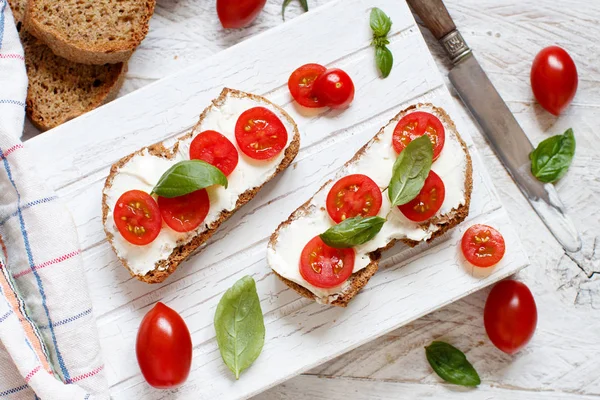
[(215, 149), (164, 348), (260, 134), (483, 246), (352, 196), (323, 266), (238, 13), (334, 88), (301, 84), (553, 79), (137, 217), (428, 201), (510, 316), (185, 213), (415, 124)]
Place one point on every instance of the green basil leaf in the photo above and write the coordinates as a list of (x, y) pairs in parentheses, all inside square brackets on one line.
[(380, 22), (451, 364), (240, 326), (410, 171), (187, 177), (303, 3), (552, 157), (283, 7), (385, 60), (352, 232)]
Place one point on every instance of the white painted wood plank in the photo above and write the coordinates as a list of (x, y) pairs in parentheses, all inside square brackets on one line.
[(315, 388)]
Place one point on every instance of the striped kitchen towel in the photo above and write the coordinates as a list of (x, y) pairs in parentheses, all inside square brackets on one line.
[(49, 345)]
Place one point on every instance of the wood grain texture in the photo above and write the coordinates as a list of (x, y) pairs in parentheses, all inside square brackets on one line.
[(561, 361), (434, 15)]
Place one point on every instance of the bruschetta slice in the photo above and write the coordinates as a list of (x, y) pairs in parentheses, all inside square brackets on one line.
[(321, 273), (152, 235)]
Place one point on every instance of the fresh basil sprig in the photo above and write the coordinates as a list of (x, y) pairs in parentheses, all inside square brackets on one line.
[(352, 232), (285, 3), (552, 158), (240, 326), (381, 25), (451, 364), (410, 171), (187, 177)]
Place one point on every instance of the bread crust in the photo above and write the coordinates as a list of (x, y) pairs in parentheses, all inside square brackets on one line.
[(86, 52), (36, 53), (445, 222), (164, 268)]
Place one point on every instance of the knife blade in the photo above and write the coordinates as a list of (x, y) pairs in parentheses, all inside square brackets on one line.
[(499, 126)]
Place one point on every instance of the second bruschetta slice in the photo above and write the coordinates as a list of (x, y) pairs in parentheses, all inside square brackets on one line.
[(330, 246)]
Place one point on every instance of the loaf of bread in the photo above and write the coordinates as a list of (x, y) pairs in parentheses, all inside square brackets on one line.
[(90, 32), (60, 90), (283, 253)]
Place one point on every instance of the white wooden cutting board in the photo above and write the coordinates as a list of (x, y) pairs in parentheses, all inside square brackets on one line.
[(75, 159)]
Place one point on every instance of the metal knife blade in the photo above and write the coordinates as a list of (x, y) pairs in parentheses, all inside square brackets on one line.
[(512, 146), (497, 122)]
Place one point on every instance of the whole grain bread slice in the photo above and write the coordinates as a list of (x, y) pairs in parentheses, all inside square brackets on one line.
[(60, 90), (164, 268), (90, 32), (444, 222)]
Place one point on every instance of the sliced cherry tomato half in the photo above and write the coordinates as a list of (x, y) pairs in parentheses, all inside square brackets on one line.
[(164, 348), (415, 124), (428, 201), (137, 217), (335, 88), (483, 246), (301, 84), (215, 149), (353, 196), (185, 213), (510, 315), (260, 134), (323, 266)]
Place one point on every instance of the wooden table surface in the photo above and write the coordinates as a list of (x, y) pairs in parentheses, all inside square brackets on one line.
[(561, 362)]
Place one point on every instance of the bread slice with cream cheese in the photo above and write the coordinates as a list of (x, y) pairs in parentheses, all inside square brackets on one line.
[(375, 160), (141, 170)]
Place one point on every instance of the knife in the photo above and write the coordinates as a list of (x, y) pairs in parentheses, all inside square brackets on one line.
[(500, 127)]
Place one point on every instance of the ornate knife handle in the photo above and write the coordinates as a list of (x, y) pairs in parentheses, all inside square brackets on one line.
[(436, 18)]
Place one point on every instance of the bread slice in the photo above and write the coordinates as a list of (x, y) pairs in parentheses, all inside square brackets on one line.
[(436, 226), (162, 268), (90, 32), (60, 90)]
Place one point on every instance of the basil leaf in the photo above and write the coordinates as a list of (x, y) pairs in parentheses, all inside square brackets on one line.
[(410, 171), (385, 60), (187, 177), (352, 232), (380, 22), (303, 3), (451, 364), (240, 326), (552, 157), (283, 7)]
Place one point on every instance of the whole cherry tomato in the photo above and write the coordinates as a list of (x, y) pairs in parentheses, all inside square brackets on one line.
[(238, 13), (164, 348), (335, 88), (554, 79), (510, 316)]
